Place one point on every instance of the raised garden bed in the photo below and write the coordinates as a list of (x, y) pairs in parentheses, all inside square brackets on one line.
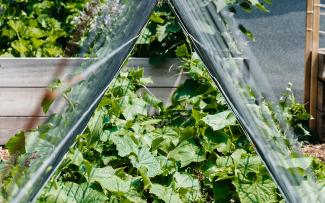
[(23, 82)]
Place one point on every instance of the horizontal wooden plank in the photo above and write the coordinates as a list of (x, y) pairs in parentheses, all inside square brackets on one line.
[(11, 125), (144, 62), (34, 72), (22, 85), (20, 101), (28, 101), (163, 77), (24, 101), (161, 93)]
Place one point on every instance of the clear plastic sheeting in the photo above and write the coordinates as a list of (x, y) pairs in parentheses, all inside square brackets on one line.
[(279, 42), (114, 28), (218, 41)]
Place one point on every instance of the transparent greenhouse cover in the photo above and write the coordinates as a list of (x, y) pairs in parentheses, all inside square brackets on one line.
[(217, 39), (112, 35), (215, 36)]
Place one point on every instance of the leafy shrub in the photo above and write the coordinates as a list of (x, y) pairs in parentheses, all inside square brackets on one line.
[(37, 27), (161, 36)]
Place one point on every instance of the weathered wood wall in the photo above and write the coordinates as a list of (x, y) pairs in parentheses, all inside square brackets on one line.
[(23, 81), (320, 107)]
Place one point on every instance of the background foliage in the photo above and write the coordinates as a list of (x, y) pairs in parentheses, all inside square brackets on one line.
[(163, 34), (37, 27)]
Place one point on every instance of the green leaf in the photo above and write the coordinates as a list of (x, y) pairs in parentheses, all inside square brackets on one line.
[(124, 144), (8, 33), (37, 42), (134, 197), (188, 187), (186, 90), (168, 166), (261, 7), (35, 32), (83, 193), (297, 167), (145, 81), (74, 193), (56, 195), (165, 193), (186, 133), (144, 38), (186, 181), (17, 26), (182, 51), (155, 17), (135, 107), (34, 143), (161, 32), (256, 191), (222, 191), (143, 158), (95, 125), (216, 140), (75, 157), (246, 32), (39, 8), (21, 46), (246, 6), (173, 27), (16, 144), (300, 162), (237, 155), (53, 51), (144, 174), (250, 164), (166, 139), (108, 180), (187, 152), (220, 120), (152, 100)]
